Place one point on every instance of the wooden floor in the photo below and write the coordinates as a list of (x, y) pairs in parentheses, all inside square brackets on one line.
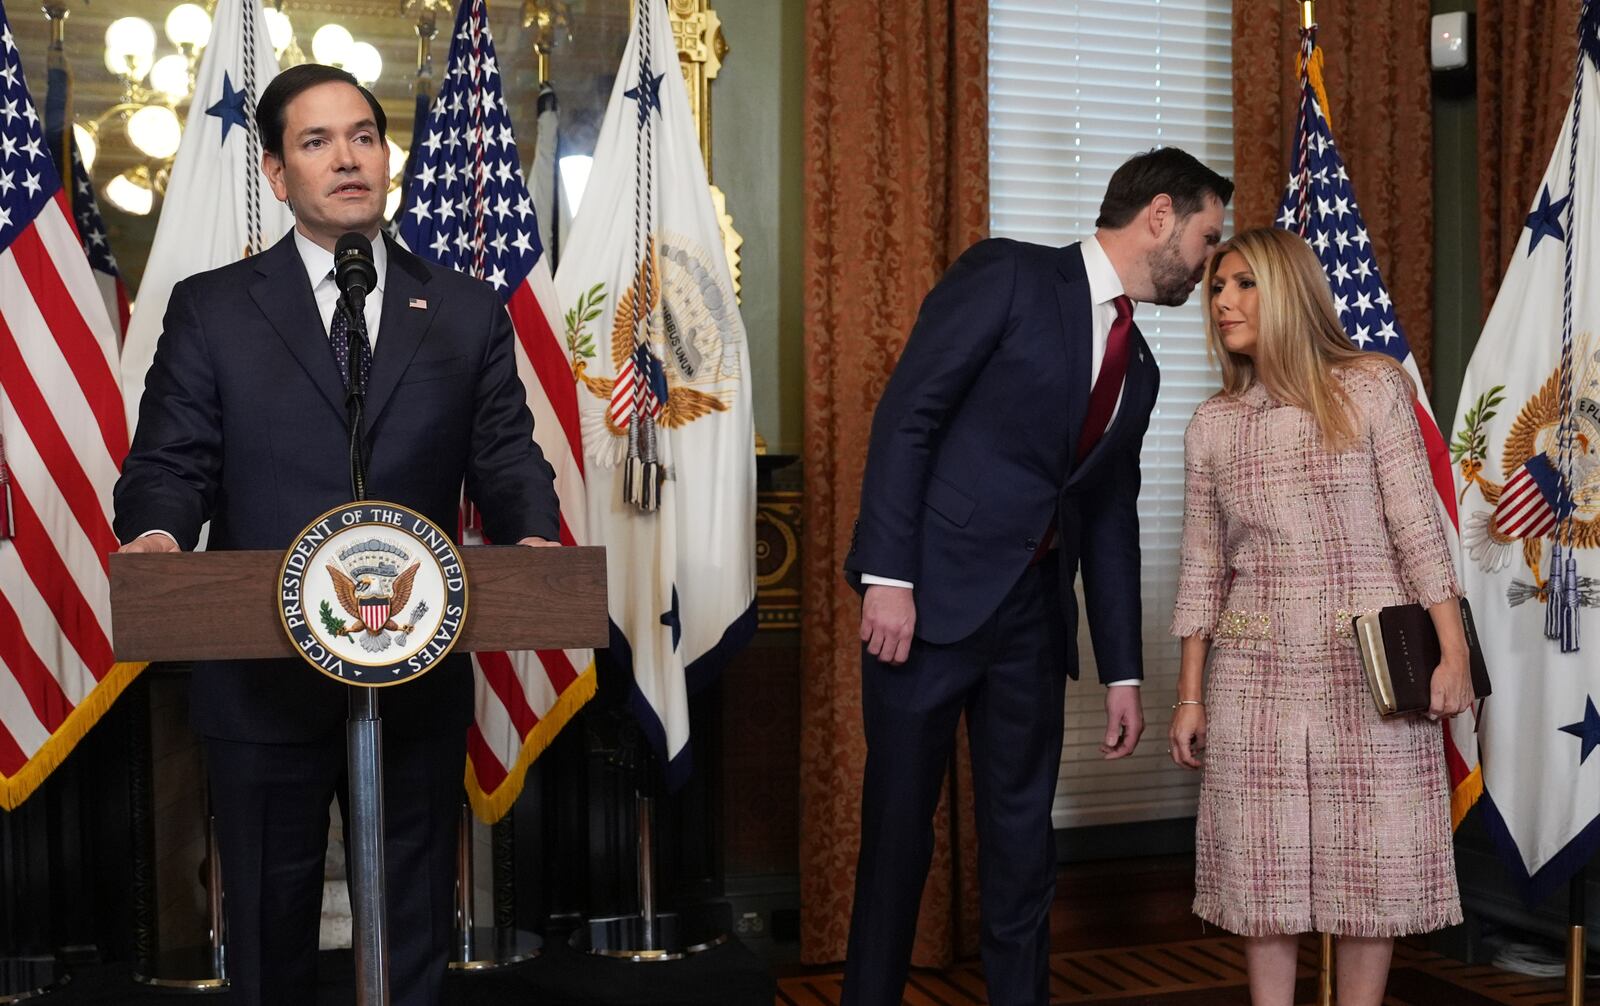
[(1123, 935)]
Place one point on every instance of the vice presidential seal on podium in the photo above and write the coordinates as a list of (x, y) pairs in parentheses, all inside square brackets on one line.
[(372, 594)]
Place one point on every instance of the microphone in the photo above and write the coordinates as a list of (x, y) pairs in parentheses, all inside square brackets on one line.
[(354, 271)]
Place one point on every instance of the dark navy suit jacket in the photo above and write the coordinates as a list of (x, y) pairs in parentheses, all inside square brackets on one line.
[(973, 452), (243, 423)]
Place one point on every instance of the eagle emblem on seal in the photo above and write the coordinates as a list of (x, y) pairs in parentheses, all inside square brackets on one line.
[(373, 589)]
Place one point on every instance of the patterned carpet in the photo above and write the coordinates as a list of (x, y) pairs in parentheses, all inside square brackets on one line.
[(1204, 972)]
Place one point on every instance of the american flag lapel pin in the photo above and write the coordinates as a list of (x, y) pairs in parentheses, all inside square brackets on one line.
[(419, 303)]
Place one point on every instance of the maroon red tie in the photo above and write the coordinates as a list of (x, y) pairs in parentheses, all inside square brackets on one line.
[(1108, 386), (1102, 398)]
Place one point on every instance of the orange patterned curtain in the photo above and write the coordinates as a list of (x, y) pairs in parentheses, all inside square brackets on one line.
[(1525, 53), (897, 186), (1378, 85)]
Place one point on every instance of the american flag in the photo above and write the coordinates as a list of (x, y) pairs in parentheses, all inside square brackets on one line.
[(63, 436), (1320, 205), (1530, 502), (81, 198), (470, 209)]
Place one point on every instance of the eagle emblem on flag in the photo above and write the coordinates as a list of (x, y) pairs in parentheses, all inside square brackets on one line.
[(1524, 512), (679, 374)]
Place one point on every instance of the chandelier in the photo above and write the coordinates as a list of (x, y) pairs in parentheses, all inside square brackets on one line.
[(157, 91)]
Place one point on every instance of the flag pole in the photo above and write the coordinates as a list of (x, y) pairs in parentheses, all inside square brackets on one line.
[(1577, 910), (1325, 964), (1308, 21)]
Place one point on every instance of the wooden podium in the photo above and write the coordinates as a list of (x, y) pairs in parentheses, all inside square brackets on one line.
[(163, 608)]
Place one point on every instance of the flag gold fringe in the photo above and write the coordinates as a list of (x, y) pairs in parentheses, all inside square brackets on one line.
[(1314, 75), (491, 807), (54, 751), (1464, 795)]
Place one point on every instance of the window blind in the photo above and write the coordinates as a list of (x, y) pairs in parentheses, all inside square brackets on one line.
[(1075, 88)]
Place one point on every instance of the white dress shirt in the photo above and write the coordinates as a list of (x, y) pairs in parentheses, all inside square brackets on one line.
[(1105, 286), (319, 269)]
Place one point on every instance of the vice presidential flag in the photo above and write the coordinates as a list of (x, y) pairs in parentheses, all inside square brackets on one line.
[(62, 439), (1320, 205), (1527, 444), (468, 209), (218, 206), (659, 350)]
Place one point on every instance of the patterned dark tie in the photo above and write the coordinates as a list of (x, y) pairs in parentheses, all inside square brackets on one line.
[(339, 339)]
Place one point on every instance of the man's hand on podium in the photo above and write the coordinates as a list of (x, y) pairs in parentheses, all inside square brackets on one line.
[(537, 542), (155, 541)]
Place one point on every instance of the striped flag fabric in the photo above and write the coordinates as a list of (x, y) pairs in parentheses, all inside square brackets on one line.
[(469, 209), (1529, 502), (81, 201), (63, 438), (1320, 205), (218, 207)]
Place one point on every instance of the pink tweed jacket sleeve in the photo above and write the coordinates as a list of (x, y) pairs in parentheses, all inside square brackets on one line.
[(1283, 539), (1202, 566), (1410, 502)]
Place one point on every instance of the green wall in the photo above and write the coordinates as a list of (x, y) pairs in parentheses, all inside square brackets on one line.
[(1457, 310), (757, 105)]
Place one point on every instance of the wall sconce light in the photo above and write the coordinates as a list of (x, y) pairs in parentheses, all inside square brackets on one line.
[(331, 44), (88, 146), (130, 47), (156, 131), (280, 29), (189, 27), (364, 62), (132, 191)]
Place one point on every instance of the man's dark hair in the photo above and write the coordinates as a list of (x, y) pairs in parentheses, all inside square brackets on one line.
[(272, 107), (1162, 170)]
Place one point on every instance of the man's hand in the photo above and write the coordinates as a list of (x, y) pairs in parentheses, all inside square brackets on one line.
[(150, 543), (888, 620), (1124, 722), (534, 541)]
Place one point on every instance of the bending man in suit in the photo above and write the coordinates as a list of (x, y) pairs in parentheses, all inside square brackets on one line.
[(243, 424), (1005, 458)]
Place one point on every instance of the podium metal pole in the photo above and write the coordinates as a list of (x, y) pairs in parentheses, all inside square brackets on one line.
[(364, 734)]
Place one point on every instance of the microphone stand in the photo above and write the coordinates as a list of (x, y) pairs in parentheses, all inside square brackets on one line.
[(364, 742)]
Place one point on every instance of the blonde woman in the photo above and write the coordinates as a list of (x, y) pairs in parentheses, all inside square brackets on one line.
[(1308, 500)]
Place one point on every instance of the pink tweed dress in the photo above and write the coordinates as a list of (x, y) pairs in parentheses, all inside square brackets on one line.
[(1316, 814)]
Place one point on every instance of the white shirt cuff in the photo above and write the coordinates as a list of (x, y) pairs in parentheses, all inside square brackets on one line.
[(1136, 682), (164, 534), (884, 581)]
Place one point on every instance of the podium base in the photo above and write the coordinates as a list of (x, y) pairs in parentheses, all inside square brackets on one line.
[(492, 949), (27, 978), (676, 935), (190, 969)]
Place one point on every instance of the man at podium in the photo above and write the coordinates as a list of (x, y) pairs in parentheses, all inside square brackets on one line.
[(243, 424)]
